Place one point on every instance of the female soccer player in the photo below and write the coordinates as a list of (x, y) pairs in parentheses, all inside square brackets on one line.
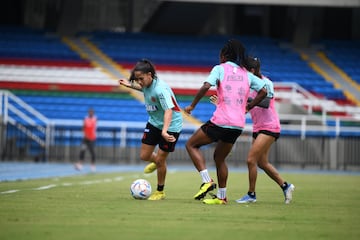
[(266, 130), (165, 120), (233, 84)]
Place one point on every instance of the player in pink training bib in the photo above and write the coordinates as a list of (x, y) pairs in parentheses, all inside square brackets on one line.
[(233, 83), (266, 130)]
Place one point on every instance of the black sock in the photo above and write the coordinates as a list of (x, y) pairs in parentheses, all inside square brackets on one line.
[(284, 186), (160, 188), (252, 194)]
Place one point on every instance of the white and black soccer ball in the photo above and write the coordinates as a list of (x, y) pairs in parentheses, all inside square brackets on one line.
[(140, 189)]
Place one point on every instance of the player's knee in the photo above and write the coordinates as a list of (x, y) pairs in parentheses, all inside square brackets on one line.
[(251, 160), (145, 156), (189, 146), (261, 165)]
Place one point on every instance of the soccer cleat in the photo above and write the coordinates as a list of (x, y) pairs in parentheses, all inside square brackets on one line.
[(204, 189), (78, 166), (92, 168), (215, 200), (150, 168), (288, 193), (246, 199), (158, 195)]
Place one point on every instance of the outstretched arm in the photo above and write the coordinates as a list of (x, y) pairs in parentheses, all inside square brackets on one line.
[(129, 84)]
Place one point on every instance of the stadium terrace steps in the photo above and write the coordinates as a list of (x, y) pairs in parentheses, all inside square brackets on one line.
[(22, 61), (279, 63), (62, 75), (65, 105), (285, 65), (57, 87), (346, 55), (342, 84), (108, 106), (201, 53), (28, 43)]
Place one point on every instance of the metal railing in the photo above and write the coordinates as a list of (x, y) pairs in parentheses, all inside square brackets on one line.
[(306, 141), (25, 119), (298, 95)]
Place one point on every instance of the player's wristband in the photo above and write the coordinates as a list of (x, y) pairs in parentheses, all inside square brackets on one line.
[(265, 103)]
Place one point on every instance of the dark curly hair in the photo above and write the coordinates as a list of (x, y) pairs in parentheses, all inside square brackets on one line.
[(234, 51), (253, 63)]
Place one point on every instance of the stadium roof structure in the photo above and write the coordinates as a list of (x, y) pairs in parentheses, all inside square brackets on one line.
[(320, 3)]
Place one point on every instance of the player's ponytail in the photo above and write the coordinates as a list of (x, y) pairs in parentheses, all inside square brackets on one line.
[(145, 66), (132, 76)]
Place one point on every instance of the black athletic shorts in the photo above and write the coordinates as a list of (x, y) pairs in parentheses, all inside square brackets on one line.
[(152, 136), (273, 134), (216, 133)]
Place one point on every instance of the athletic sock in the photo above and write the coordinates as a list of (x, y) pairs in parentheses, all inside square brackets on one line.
[(205, 176), (284, 186), (160, 188), (221, 194), (252, 194)]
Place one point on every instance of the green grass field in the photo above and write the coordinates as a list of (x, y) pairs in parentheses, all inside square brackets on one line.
[(99, 206)]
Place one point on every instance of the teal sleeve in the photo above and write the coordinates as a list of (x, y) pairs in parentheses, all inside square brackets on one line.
[(216, 74), (255, 82), (165, 99), (269, 87)]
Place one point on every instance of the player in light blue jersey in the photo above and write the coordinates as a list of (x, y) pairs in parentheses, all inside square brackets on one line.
[(165, 120)]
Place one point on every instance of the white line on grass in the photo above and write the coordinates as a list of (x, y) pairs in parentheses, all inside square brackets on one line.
[(45, 187), (10, 191), (67, 184)]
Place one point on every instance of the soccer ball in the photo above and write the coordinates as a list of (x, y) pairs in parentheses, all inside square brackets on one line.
[(140, 189)]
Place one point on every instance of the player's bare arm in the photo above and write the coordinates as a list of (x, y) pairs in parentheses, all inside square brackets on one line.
[(167, 120), (126, 83), (259, 97)]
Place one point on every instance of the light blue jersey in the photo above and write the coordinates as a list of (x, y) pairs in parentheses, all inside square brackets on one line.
[(217, 74), (158, 98), (269, 87)]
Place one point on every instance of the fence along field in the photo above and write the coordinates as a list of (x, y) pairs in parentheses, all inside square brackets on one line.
[(305, 143)]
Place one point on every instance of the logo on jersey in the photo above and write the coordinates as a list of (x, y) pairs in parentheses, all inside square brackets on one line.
[(234, 78), (151, 108)]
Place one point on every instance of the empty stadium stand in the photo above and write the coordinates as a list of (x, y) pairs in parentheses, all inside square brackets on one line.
[(25, 43), (280, 64), (346, 55), (61, 82), (183, 61)]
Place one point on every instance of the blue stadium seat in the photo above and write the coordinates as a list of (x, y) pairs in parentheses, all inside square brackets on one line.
[(345, 54), (63, 107), (21, 42)]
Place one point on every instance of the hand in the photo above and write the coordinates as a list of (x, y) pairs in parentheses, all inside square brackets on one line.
[(124, 82), (168, 137), (247, 108), (188, 109), (214, 99)]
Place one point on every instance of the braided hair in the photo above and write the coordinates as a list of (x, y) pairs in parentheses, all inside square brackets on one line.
[(234, 51)]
